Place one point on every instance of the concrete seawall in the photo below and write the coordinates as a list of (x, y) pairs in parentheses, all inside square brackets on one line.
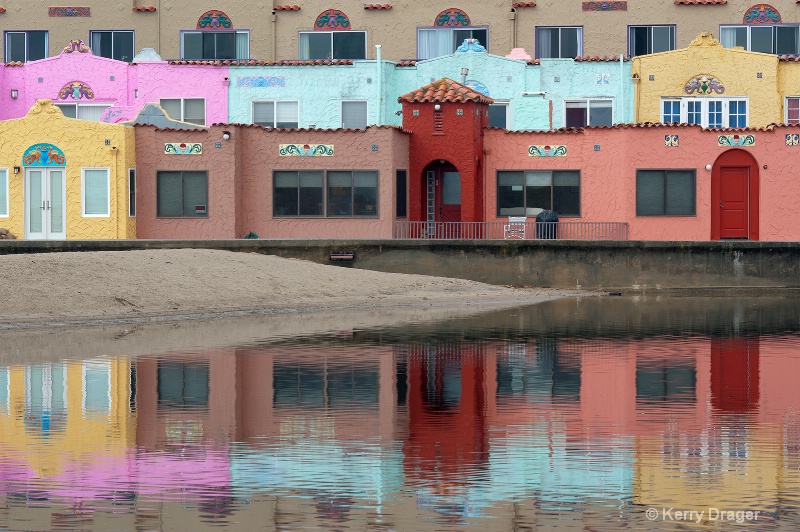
[(631, 265)]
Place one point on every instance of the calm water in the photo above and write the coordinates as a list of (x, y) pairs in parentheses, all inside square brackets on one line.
[(593, 414)]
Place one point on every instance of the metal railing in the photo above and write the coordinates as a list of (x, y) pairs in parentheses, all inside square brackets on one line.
[(504, 230)]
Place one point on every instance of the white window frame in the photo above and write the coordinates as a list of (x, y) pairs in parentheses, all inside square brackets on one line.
[(96, 364), (704, 109), (182, 118), (786, 109), (350, 32), (26, 32), (236, 38), (650, 30), (107, 213), (4, 193), (749, 27), (588, 102), (452, 33), (559, 28), (507, 105), (276, 104), (132, 199), (112, 32), (366, 113), (79, 106)]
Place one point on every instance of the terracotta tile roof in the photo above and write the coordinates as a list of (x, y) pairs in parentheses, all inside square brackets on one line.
[(287, 8), (377, 6), (700, 2), (253, 62), (795, 58), (310, 130), (14, 64), (444, 90), (528, 4), (535, 62), (587, 58), (642, 125), (144, 8), (406, 63)]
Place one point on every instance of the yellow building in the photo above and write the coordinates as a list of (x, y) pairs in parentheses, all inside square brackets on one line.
[(63, 178), (714, 86)]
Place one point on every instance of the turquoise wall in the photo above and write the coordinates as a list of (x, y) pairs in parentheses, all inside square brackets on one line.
[(320, 89)]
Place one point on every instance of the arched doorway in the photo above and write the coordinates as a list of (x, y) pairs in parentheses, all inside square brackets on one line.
[(442, 190), (734, 196)]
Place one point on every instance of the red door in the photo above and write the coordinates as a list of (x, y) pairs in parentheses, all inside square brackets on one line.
[(734, 201), (734, 374)]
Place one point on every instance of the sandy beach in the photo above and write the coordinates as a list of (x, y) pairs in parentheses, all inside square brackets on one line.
[(56, 289)]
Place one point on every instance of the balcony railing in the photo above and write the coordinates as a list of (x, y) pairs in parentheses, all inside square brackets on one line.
[(504, 230)]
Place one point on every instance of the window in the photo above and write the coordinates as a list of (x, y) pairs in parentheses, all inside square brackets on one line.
[(660, 382), (768, 39), (25, 45), (276, 114), (182, 194), (325, 193), (644, 40), (112, 44), (191, 110), (4, 192), (333, 45), (436, 42), (401, 183), (182, 385), (83, 111), (793, 110), (96, 387), (559, 43), (215, 45), (95, 185), (498, 115), (354, 115), (131, 192), (584, 113), (665, 192), (529, 192), (707, 112)]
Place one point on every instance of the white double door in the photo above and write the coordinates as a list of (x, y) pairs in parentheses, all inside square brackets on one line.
[(45, 204)]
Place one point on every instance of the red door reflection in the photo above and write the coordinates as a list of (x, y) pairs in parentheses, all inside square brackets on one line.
[(734, 374)]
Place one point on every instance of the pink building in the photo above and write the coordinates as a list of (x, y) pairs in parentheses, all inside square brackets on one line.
[(96, 88)]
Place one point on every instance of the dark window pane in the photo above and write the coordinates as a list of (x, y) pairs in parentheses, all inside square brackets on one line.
[(316, 45), (286, 194), (37, 45), (761, 39), (102, 44), (123, 45), (639, 40), (649, 192), (482, 36), (576, 117), (570, 42), (680, 192), (510, 193), (170, 194), (340, 193), (401, 194), (349, 45), (365, 193), (209, 45), (226, 46), (192, 45), (311, 194), (567, 193), (15, 46), (600, 113), (497, 116), (663, 39), (786, 40), (195, 194)]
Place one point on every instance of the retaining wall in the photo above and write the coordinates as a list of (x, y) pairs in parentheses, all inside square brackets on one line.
[(630, 265)]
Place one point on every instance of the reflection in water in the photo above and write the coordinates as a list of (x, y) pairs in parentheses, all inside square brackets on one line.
[(582, 413)]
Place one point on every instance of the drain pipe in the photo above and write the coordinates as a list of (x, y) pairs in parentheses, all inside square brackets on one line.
[(513, 17), (379, 112), (621, 88), (273, 18)]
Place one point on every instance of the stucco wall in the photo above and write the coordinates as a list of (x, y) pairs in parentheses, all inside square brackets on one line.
[(353, 150), (608, 176), (605, 32), (221, 165), (84, 146)]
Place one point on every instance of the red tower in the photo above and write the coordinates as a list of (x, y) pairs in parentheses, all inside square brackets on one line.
[(446, 120)]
